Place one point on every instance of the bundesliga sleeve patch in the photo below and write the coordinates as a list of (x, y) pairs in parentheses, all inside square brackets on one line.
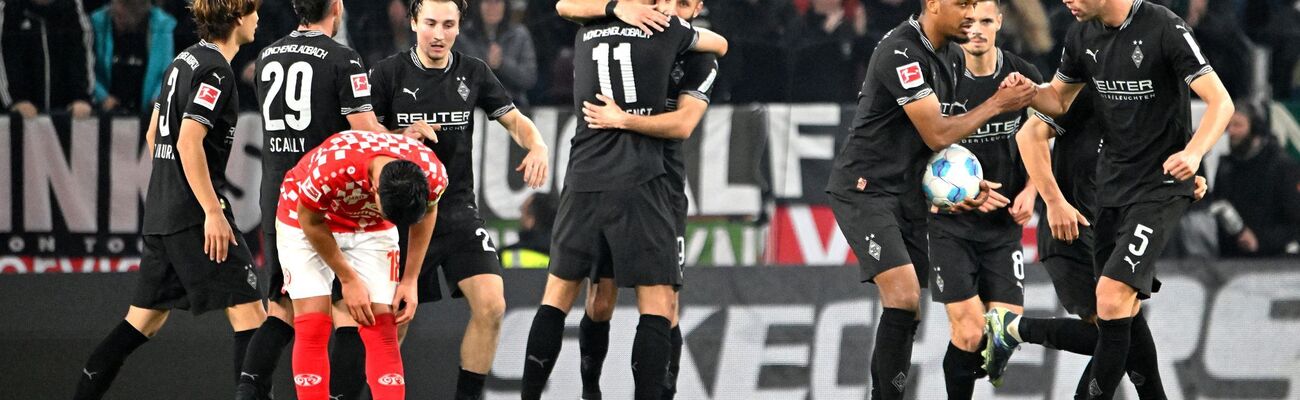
[(910, 75), (207, 96), (360, 85)]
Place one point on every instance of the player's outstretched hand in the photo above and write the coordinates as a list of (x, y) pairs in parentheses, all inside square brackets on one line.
[(604, 116), (405, 301), (357, 298), (1201, 188), (1022, 209), (535, 167), (422, 130), (996, 200), (1064, 220), (1182, 165), (1015, 93), (986, 189), (643, 16), (217, 236)]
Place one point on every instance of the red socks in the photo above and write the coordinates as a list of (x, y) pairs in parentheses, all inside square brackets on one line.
[(384, 370), (311, 366)]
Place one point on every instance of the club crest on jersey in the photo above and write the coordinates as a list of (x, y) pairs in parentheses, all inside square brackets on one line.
[(462, 89), (677, 73), (207, 96), (1137, 53), (873, 248), (910, 75), (360, 85), (862, 184)]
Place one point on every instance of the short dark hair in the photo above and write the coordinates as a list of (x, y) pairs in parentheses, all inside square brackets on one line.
[(413, 8), (403, 192), (312, 11), (216, 19)]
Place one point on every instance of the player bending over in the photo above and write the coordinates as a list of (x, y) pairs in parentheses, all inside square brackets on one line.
[(338, 216), (193, 258)]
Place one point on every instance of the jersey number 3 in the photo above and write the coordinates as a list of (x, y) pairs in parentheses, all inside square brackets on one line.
[(297, 95), (623, 54)]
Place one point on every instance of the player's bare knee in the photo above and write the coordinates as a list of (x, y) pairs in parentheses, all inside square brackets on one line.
[(489, 312), (1115, 299)]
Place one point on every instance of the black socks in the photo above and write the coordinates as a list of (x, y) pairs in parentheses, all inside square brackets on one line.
[(674, 364), (1109, 358), (960, 370), (469, 385), (263, 353), (240, 349), (1143, 363), (593, 344), (107, 359), (1070, 334), (544, 341), (347, 364), (892, 356), (651, 350)]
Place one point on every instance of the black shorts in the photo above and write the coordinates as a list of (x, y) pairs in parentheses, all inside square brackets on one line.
[(631, 233), (1130, 238), (681, 207), (881, 235), (963, 268), (176, 274), (461, 249), (1075, 284)]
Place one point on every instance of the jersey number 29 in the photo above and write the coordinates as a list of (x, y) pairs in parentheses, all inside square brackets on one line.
[(623, 54), (297, 95)]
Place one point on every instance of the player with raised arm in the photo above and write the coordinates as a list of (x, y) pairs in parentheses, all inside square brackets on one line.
[(976, 257), (308, 88), (193, 257), (688, 98), (875, 183), (1141, 59), (616, 208), (432, 85), (338, 215)]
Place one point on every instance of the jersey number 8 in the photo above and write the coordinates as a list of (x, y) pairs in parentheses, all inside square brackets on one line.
[(297, 95)]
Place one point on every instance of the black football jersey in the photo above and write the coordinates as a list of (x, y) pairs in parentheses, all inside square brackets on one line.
[(307, 85), (623, 63), (198, 85), (884, 153), (406, 92), (994, 144), (693, 75), (1075, 152), (1140, 72)]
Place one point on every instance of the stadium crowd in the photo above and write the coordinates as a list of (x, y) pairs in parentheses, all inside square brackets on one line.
[(108, 56)]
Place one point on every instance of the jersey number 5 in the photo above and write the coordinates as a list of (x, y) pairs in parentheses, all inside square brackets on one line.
[(623, 54), (297, 95)]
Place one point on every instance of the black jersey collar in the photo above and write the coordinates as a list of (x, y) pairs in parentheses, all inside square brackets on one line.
[(415, 59), (210, 45), (924, 40), (1132, 11), (996, 70), (307, 33)]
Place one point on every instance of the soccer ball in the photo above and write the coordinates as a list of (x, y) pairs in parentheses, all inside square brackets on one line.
[(951, 176)]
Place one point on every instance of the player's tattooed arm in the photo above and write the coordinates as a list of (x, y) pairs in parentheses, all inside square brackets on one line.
[(1063, 218), (939, 131), (676, 125), (636, 14), (355, 294), (1219, 108), (526, 135), (407, 296), (217, 234)]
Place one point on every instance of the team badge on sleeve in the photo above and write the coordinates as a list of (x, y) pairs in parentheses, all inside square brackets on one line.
[(360, 85), (910, 75), (207, 96)]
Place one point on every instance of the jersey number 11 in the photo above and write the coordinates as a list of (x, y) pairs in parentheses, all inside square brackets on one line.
[(623, 54)]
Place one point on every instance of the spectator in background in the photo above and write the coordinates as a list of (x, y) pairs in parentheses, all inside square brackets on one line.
[(47, 59), (1256, 192), (186, 33), (133, 46), (536, 217), (883, 15), (829, 45), (755, 68), (505, 46), (1222, 40), (553, 44), (370, 30), (276, 19), (1027, 32)]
